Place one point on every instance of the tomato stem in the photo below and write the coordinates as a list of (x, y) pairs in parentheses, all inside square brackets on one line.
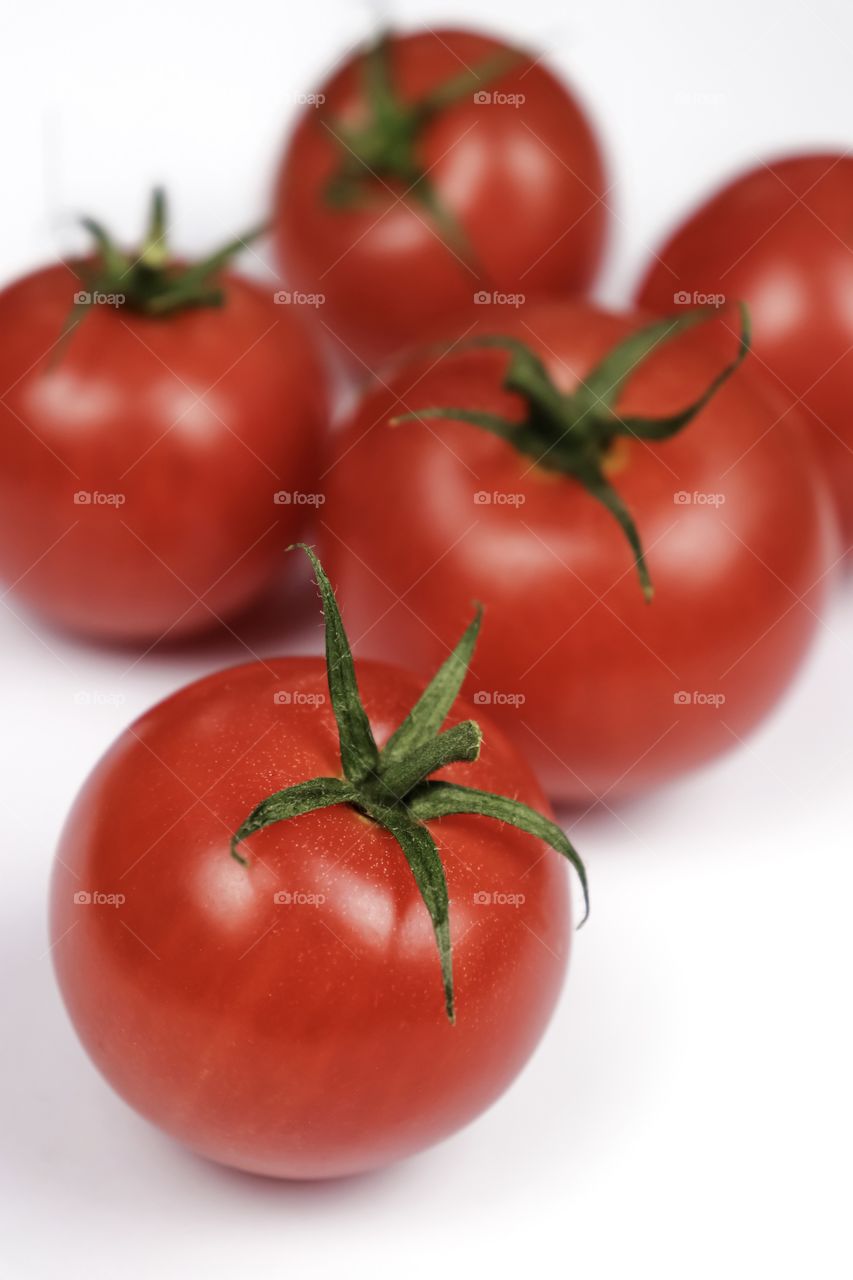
[(149, 281), (384, 149), (573, 433), (393, 786)]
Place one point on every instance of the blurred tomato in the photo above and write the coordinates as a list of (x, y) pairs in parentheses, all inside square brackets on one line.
[(605, 692), (781, 237), (141, 455), (430, 170)]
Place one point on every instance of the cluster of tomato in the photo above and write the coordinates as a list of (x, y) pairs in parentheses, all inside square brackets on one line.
[(263, 887)]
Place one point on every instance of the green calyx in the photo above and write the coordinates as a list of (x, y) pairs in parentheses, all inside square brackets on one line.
[(393, 786), (147, 280), (573, 433), (385, 148)]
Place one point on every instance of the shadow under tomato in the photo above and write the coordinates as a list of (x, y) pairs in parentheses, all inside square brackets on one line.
[(285, 613)]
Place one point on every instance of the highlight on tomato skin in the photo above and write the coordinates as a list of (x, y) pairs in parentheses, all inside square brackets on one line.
[(431, 169), (309, 988), (609, 689), (161, 439), (777, 235)]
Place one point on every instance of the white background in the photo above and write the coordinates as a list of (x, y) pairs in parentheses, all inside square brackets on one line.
[(689, 1114)]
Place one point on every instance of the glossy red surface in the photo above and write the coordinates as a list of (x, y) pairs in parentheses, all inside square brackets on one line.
[(288, 1017), (603, 692), (525, 182), (781, 238), (139, 459)]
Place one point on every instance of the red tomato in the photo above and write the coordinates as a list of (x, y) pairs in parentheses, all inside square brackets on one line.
[(499, 191), (604, 692), (779, 237), (287, 1016), (140, 457)]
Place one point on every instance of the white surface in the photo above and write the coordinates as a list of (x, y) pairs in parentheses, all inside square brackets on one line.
[(689, 1114)]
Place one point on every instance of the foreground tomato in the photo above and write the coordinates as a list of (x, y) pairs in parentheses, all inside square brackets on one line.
[(780, 237), (156, 455), (281, 1010), (505, 490), (433, 169)]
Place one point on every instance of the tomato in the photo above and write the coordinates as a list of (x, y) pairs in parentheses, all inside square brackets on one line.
[(606, 692), (281, 1010), (152, 465), (779, 236), (432, 170)]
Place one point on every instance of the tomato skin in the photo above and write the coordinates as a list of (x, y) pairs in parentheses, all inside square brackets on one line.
[(779, 237), (195, 420), (299, 1041), (574, 664), (385, 273)]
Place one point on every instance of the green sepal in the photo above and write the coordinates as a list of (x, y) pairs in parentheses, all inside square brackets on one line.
[(114, 264), (444, 799), (602, 386), (663, 428), (387, 787), (466, 82), (433, 706), (155, 252), (385, 149), (190, 287), (492, 422), (459, 745), (422, 856), (302, 797), (359, 754), (149, 283), (573, 432)]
